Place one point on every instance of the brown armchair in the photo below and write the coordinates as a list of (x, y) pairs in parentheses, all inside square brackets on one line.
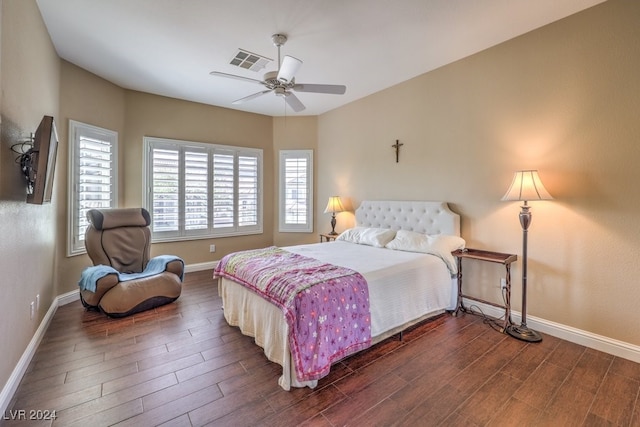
[(123, 279)]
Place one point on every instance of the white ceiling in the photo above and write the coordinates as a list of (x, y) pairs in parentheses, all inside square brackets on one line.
[(168, 47)]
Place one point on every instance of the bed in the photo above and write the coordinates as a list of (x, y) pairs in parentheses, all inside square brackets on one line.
[(401, 249)]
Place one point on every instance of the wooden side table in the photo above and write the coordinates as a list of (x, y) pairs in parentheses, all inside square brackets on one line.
[(487, 256), (325, 237)]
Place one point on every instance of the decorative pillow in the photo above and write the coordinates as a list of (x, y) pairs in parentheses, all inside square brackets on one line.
[(377, 237), (440, 245)]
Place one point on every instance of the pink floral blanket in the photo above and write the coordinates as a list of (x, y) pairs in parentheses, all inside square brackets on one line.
[(326, 306)]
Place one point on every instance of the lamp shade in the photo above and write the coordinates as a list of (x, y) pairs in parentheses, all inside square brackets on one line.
[(334, 205), (526, 185)]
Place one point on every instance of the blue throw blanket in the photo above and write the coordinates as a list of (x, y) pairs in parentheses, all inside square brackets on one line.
[(156, 265)]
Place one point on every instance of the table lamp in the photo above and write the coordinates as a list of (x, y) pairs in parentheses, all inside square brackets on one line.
[(334, 205)]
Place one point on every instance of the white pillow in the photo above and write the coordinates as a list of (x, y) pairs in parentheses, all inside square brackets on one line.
[(444, 243), (440, 245), (377, 237), (410, 241)]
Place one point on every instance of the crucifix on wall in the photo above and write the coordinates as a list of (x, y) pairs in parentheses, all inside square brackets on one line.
[(397, 146)]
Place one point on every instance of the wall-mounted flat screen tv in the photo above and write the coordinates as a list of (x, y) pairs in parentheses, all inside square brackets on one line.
[(42, 162)]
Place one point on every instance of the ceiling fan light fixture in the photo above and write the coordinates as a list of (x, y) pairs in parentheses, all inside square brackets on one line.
[(288, 69)]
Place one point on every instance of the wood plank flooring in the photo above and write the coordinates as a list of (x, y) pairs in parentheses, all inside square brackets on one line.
[(182, 365)]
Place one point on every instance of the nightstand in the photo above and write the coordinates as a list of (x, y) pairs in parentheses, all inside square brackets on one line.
[(325, 237), (487, 256)]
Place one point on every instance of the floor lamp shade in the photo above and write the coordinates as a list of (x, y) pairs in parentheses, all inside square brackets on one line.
[(526, 186), (334, 205)]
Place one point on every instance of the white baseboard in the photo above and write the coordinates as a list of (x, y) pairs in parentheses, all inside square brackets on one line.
[(67, 298), (568, 333), (12, 383), (201, 266)]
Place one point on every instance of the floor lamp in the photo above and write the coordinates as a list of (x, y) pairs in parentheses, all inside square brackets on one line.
[(334, 205), (526, 186)]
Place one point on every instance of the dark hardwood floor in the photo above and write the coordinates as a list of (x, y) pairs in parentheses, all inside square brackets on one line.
[(182, 365)]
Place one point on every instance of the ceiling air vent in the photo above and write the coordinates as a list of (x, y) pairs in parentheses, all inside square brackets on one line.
[(250, 61)]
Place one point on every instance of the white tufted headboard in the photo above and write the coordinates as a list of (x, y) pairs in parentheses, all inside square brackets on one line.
[(420, 216)]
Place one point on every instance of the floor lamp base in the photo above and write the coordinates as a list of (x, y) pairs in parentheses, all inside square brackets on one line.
[(523, 333)]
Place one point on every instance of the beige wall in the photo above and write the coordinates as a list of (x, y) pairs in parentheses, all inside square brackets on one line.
[(293, 133), (29, 87), (563, 99)]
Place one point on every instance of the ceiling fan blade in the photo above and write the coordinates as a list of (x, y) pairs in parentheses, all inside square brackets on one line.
[(233, 76), (293, 102), (289, 68), (250, 97), (332, 89)]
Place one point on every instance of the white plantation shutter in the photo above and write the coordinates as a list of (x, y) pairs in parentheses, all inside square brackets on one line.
[(296, 191), (295, 175), (198, 190), (247, 191), (92, 177), (166, 187), (223, 190)]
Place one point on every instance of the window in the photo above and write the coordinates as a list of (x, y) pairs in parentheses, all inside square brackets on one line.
[(296, 191), (93, 175), (197, 190)]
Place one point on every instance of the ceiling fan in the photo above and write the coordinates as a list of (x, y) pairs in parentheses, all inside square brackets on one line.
[(282, 81)]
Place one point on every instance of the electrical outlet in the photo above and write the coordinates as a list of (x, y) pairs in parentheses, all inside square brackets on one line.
[(212, 248), (503, 283), (33, 309)]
